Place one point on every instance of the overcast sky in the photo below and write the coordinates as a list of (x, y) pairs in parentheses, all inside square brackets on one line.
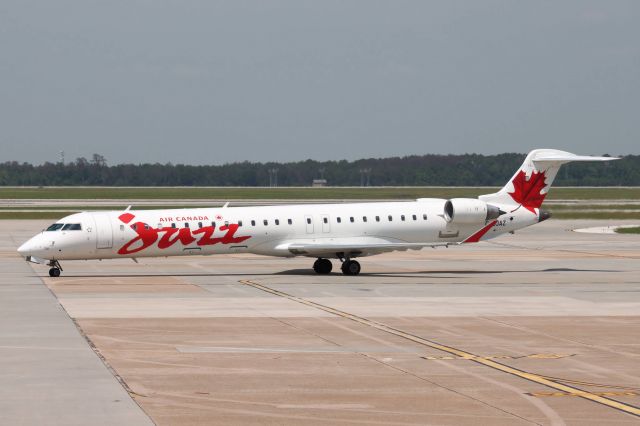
[(209, 82)]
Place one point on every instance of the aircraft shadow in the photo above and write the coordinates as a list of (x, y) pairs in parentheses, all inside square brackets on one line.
[(164, 275), (468, 272), (310, 272)]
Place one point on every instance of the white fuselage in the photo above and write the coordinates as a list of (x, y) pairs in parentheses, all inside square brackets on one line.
[(267, 230)]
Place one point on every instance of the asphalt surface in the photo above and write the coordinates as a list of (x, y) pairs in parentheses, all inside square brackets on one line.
[(540, 327)]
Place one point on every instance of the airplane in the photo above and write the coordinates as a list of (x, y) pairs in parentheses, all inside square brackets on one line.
[(321, 231)]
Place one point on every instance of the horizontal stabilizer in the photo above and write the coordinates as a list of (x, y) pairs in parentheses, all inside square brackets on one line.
[(566, 157)]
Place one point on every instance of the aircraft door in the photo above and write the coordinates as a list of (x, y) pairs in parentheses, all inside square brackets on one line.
[(104, 232), (308, 220), (326, 223)]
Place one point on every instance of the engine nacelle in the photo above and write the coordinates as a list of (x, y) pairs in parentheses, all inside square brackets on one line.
[(469, 210)]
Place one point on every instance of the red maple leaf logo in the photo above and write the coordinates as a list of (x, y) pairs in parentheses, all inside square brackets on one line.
[(528, 193)]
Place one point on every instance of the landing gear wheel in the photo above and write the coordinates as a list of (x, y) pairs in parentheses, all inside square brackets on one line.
[(56, 268), (350, 267), (322, 266)]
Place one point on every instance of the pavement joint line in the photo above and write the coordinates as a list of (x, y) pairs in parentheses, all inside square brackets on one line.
[(404, 371), (532, 377), (99, 354), (112, 370), (528, 330)]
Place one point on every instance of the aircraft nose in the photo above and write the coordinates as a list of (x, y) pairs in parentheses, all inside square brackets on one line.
[(32, 247), (26, 248)]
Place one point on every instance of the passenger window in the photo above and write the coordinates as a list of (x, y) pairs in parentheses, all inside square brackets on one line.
[(377, 218), (186, 224), (415, 217), (402, 217), (146, 226), (122, 227), (199, 224), (424, 216), (338, 220), (351, 219), (55, 227), (364, 218), (173, 225), (309, 221), (253, 223), (226, 223), (325, 220), (289, 221), (277, 221), (159, 226), (266, 222), (390, 218), (213, 224), (134, 226), (239, 223)]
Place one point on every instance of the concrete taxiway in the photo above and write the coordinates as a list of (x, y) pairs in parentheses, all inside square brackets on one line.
[(541, 327)]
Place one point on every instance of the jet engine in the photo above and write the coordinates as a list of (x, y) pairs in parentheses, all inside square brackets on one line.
[(469, 210)]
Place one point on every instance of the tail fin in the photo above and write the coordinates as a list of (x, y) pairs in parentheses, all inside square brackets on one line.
[(531, 183)]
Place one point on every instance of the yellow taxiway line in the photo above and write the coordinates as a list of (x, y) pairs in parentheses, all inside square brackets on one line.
[(536, 378)]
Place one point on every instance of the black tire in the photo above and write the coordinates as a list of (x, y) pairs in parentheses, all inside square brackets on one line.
[(325, 266), (54, 272), (322, 266), (351, 267)]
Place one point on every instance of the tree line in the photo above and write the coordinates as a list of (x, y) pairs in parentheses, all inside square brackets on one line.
[(414, 170)]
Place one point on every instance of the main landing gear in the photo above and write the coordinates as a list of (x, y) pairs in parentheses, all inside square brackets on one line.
[(349, 267), (55, 268), (322, 266)]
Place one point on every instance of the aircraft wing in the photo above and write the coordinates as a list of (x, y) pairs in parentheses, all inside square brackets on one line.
[(353, 248)]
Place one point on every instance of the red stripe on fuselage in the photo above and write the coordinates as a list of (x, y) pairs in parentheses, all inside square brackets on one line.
[(479, 234)]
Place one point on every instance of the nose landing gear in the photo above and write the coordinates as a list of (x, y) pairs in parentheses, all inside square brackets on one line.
[(55, 268)]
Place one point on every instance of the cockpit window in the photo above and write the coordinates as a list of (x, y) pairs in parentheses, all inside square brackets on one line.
[(72, 227), (55, 227)]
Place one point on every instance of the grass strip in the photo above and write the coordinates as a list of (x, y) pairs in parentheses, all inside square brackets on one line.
[(580, 206), (629, 230), (595, 215)]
